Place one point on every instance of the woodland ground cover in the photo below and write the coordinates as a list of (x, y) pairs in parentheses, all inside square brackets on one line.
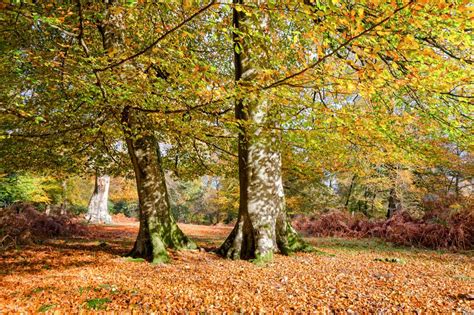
[(88, 272)]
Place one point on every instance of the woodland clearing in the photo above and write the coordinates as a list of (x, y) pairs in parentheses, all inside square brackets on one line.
[(89, 273), (344, 125)]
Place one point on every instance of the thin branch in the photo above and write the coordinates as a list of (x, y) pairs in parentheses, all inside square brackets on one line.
[(147, 48), (32, 18), (435, 44), (216, 146), (46, 134), (456, 95), (201, 161), (346, 43), (80, 38), (179, 111)]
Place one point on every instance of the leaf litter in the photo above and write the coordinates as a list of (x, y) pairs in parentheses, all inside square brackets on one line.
[(82, 276)]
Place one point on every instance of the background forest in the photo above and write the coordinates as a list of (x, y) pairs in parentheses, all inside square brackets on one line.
[(213, 199)]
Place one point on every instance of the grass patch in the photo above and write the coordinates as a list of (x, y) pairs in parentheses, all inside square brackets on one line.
[(84, 289), (97, 304), (37, 290), (463, 278), (136, 260), (365, 244), (46, 307)]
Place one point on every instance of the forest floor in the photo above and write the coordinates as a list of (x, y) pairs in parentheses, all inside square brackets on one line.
[(89, 273)]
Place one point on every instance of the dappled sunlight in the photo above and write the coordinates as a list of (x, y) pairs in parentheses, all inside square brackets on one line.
[(345, 121), (339, 276)]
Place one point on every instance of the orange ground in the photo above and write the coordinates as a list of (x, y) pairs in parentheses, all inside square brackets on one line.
[(76, 275)]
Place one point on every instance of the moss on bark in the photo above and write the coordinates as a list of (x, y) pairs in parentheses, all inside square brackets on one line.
[(158, 230), (291, 242)]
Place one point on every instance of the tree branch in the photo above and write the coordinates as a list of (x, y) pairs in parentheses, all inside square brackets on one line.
[(80, 38), (347, 42), (147, 48)]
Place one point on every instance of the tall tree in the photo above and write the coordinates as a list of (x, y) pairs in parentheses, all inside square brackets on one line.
[(97, 78), (262, 228), (158, 229)]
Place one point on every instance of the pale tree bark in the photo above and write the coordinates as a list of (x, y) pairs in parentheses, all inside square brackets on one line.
[(262, 228), (98, 211), (158, 230)]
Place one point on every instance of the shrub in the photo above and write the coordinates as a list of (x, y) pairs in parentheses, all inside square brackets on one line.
[(129, 209), (76, 210), (454, 231), (24, 224)]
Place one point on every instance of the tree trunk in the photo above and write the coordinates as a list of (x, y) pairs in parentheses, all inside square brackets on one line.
[(456, 187), (262, 227), (158, 229), (98, 211), (394, 204), (63, 208), (349, 194)]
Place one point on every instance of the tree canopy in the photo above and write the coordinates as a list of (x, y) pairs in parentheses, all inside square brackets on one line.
[(368, 96)]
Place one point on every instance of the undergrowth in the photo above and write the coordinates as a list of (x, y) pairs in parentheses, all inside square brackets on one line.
[(435, 230), (22, 224)]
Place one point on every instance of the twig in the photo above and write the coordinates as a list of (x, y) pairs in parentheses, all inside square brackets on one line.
[(147, 48)]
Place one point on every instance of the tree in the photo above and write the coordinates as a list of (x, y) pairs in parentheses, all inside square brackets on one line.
[(158, 229), (262, 228), (98, 211), (394, 204)]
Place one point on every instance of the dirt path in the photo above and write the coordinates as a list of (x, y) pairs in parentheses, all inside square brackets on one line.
[(74, 275)]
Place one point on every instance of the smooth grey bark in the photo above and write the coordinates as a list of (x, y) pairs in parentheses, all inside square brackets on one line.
[(262, 227), (158, 230), (98, 211)]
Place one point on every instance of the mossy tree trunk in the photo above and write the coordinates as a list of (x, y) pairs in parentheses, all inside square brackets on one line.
[(262, 227), (158, 230)]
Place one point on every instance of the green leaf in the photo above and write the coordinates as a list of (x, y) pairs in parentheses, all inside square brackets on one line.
[(97, 304), (46, 307), (238, 48)]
